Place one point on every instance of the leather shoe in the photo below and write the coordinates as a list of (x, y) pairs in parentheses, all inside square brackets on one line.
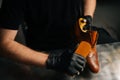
[(92, 58), (90, 38), (92, 61)]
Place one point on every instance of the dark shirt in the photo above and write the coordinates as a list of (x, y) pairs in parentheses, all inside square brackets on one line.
[(50, 22)]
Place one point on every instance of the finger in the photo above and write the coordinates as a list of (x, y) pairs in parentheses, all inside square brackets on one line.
[(78, 66), (80, 62), (80, 57), (72, 71)]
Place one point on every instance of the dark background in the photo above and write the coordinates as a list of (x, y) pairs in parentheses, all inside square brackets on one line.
[(107, 16)]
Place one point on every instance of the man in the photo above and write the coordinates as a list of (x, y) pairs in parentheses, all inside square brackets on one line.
[(50, 30)]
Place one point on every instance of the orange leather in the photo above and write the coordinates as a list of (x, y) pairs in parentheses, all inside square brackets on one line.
[(83, 49), (87, 46)]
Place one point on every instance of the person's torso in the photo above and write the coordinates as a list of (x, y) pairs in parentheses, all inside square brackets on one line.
[(50, 22)]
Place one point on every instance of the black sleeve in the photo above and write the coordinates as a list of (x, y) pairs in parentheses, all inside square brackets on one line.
[(11, 14)]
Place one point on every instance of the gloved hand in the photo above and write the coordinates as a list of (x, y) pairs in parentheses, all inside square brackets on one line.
[(88, 21), (66, 62)]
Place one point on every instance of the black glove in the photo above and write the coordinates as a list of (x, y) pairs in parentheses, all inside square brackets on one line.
[(89, 26), (88, 20), (66, 62)]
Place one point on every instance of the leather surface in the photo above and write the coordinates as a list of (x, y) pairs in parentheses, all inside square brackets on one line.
[(88, 49), (92, 58), (92, 61)]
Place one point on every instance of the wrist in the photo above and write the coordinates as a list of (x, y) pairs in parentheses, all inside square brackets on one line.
[(42, 58), (45, 59), (88, 15)]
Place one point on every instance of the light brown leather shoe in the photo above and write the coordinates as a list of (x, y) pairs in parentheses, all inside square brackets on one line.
[(92, 61), (87, 49), (92, 58), (87, 46)]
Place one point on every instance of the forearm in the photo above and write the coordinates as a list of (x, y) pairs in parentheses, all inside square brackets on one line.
[(23, 54), (89, 7)]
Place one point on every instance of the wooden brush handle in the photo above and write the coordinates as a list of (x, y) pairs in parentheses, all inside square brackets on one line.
[(83, 49)]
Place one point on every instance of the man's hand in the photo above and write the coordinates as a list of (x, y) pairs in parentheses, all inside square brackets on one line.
[(88, 21), (66, 62)]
